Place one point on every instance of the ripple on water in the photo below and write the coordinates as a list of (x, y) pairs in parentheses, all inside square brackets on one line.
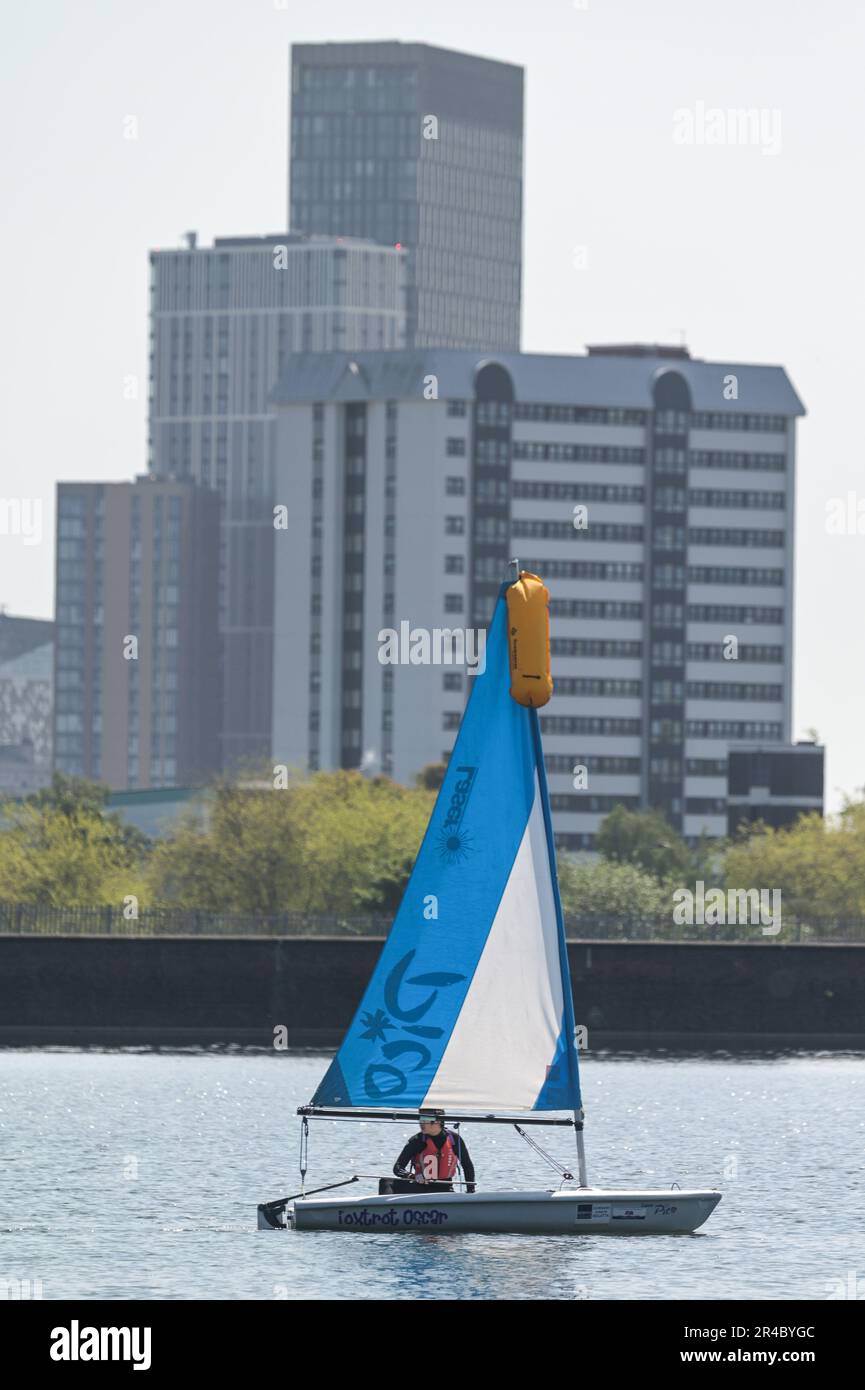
[(150, 1165)]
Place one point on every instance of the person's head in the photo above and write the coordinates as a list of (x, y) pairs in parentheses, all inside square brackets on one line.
[(431, 1122)]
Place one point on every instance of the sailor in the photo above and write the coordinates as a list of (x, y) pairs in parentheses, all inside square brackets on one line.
[(431, 1159)]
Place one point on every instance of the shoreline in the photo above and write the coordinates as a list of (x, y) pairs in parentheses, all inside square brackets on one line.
[(119, 1039)]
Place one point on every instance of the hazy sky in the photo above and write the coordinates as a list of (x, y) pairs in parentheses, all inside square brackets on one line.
[(753, 252)]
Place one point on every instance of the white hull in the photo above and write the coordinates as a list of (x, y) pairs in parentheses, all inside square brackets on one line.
[(568, 1211)]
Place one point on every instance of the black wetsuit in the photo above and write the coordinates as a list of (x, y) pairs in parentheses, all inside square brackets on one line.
[(415, 1146)]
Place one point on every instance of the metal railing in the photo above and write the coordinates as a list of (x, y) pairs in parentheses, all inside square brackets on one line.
[(36, 919), (44, 920)]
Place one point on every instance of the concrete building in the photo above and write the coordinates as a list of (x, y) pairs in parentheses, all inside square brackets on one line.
[(410, 144), (652, 491), (136, 668), (774, 785), (26, 675), (223, 321)]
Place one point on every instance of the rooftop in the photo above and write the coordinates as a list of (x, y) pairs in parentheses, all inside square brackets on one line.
[(20, 635), (616, 376), (265, 241)]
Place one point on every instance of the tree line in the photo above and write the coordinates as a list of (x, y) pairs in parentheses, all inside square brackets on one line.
[(340, 842)]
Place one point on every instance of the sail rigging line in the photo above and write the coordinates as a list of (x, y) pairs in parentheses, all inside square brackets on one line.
[(559, 1168)]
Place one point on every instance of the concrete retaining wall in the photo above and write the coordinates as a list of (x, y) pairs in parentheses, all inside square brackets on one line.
[(171, 991)]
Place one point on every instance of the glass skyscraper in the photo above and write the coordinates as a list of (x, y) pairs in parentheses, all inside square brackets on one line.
[(422, 147)]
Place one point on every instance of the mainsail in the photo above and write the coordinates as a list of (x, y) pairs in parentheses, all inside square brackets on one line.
[(470, 1004)]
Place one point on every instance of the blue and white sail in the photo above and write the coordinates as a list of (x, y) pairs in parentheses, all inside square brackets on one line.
[(470, 1004)]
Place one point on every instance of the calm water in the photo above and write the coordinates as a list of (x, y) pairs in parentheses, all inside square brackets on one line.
[(136, 1175)]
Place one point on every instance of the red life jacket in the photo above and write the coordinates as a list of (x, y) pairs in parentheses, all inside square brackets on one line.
[(435, 1164)]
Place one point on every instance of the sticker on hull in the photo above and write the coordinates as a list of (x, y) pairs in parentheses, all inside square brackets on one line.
[(367, 1218), (640, 1210), (593, 1211)]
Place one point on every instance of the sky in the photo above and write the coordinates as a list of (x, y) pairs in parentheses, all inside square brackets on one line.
[(126, 125)]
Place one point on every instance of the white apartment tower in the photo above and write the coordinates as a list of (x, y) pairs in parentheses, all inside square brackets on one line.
[(653, 492)]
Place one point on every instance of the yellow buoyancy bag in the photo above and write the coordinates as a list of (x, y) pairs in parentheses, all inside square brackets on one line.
[(529, 640)]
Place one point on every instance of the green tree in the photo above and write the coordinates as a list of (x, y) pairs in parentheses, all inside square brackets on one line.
[(819, 865), (606, 891), (336, 842), (74, 857), (243, 859), (362, 838), (647, 840), (431, 776), (384, 894), (78, 796), (71, 795)]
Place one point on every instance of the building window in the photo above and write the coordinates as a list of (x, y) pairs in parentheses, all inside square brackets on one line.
[(739, 420), (727, 574), (747, 536)]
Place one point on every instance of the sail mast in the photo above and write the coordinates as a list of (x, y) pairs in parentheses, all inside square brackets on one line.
[(567, 992)]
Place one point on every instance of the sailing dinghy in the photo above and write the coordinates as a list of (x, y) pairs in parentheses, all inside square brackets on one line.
[(469, 1010)]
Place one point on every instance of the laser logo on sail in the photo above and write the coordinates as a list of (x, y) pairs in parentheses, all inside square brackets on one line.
[(454, 842)]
